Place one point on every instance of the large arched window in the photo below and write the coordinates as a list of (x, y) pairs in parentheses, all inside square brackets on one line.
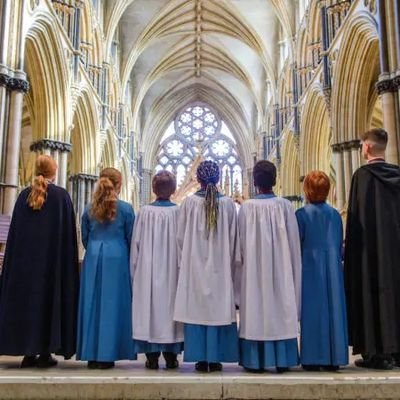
[(196, 132)]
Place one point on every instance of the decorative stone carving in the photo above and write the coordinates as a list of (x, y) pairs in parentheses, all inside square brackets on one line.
[(396, 82), (345, 146), (50, 144), (81, 176), (371, 4), (33, 4), (11, 83), (385, 86)]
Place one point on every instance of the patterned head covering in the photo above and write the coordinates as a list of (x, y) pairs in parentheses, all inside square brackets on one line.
[(208, 174)]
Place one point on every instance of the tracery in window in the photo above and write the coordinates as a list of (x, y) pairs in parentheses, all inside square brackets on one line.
[(196, 132)]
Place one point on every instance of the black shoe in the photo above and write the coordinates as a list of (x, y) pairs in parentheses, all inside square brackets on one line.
[(171, 360), (215, 367), (310, 367), (201, 366), (281, 370), (374, 363), (46, 361), (152, 360), (29, 362), (105, 364), (92, 364), (330, 368), (254, 370)]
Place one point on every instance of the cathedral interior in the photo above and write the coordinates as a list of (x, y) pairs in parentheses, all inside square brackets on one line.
[(143, 85)]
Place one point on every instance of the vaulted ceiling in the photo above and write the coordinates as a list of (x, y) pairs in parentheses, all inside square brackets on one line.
[(226, 47)]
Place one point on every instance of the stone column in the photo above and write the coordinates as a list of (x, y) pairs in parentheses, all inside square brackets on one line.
[(355, 155), (338, 160), (59, 151), (145, 187), (16, 86), (387, 90), (81, 191), (250, 181), (347, 169)]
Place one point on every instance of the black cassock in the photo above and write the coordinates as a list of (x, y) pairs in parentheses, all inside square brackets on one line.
[(40, 280), (372, 260)]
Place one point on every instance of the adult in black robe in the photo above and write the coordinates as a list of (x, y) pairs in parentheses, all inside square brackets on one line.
[(40, 280), (372, 263)]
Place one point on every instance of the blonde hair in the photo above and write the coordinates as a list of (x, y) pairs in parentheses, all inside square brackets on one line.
[(46, 169), (105, 197)]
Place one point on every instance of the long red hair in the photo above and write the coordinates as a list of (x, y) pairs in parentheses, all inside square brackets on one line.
[(105, 197), (46, 169)]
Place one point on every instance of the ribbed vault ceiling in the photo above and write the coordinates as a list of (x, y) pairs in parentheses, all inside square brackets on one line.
[(229, 46)]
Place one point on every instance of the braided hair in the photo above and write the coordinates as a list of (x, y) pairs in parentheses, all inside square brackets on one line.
[(208, 177)]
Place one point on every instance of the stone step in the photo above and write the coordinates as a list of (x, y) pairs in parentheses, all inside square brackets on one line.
[(130, 380)]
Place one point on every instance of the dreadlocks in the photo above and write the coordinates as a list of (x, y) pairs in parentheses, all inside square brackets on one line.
[(208, 176)]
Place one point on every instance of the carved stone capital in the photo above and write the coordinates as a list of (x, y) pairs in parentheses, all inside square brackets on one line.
[(346, 146), (12, 83), (386, 86), (83, 177), (396, 82), (50, 144)]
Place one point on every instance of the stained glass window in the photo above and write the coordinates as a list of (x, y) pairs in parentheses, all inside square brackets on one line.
[(199, 129)]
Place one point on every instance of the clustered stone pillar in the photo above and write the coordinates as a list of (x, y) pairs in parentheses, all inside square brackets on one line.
[(388, 84), (59, 151), (145, 187), (81, 188), (347, 161), (13, 86), (250, 182)]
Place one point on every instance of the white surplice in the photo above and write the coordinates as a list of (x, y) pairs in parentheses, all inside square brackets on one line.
[(154, 271), (270, 297), (205, 294)]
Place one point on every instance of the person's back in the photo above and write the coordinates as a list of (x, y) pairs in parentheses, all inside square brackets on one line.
[(206, 261), (271, 277), (320, 223), (324, 342), (105, 301), (111, 237), (40, 280), (372, 252), (154, 271), (270, 250), (207, 240)]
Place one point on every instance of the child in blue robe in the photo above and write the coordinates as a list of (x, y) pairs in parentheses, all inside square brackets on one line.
[(104, 322), (324, 342)]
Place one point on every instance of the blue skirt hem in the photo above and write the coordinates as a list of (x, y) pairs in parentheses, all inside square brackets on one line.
[(256, 354), (211, 343)]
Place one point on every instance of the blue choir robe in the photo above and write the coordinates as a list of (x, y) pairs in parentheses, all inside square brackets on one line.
[(105, 301), (323, 317), (154, 271)]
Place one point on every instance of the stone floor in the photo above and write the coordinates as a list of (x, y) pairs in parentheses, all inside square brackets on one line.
[(130, 380)]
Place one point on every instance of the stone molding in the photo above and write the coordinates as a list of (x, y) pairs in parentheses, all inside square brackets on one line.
[(346, 146), (45, 144), (83, 177), (14, 84), (387, 85)]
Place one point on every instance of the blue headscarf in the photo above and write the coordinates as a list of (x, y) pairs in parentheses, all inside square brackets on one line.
[(208, 172), (208, 175)]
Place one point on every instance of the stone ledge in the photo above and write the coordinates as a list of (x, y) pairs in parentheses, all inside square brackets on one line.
[(198, 388)]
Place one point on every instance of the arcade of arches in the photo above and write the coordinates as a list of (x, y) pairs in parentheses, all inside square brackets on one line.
[(147, 84)]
